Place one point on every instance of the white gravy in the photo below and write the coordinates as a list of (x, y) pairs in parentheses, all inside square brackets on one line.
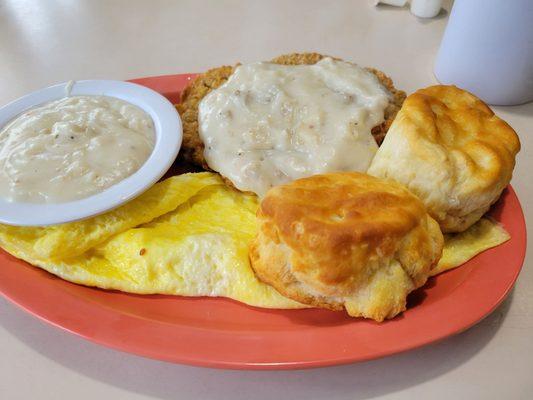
[(270, 124), (72, 148)]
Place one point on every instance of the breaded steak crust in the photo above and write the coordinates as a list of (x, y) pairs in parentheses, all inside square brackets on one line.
[(192, 148)]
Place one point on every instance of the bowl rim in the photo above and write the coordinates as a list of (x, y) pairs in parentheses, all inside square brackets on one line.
[(168, 138)]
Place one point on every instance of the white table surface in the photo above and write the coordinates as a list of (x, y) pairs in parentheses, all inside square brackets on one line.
[(44, 42)]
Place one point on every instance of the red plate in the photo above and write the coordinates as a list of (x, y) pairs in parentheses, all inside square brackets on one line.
[(216, 332)]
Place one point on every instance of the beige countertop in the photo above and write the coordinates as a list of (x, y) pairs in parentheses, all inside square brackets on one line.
[(50, 41)]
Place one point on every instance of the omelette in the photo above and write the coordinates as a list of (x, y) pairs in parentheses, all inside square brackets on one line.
[(461, 247), (187, 235)]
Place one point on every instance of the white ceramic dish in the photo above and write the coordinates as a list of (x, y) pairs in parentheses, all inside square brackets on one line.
[(168, 131)]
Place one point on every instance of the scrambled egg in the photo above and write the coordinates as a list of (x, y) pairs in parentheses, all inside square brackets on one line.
[(187, 235)]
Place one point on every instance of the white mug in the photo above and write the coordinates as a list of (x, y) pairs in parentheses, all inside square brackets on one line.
[(487, 49)]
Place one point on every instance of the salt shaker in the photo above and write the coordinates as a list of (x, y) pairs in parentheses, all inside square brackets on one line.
[(426, 8)]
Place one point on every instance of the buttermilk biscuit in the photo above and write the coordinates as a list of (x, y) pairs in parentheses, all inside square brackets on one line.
[(345, 240), (449, 148), (192, 147)]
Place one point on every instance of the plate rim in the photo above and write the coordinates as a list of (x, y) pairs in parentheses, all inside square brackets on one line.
[(213, 362)]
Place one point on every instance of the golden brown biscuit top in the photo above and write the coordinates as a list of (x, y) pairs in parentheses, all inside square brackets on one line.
[(336, 224), (479, 143)]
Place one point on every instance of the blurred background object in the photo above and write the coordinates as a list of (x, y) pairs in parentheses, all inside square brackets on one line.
[(395, 3), (487, 49), (426, 8)]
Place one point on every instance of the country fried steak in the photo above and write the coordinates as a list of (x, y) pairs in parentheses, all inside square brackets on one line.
[(192, 147)]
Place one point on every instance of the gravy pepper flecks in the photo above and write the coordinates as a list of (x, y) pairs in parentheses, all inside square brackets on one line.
[(72, 148)]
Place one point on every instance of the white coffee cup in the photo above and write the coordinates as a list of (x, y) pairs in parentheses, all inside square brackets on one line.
[(487, 49)]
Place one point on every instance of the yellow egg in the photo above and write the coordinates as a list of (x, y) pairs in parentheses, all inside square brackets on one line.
[(461, 247), (196, 244), (188, 236)]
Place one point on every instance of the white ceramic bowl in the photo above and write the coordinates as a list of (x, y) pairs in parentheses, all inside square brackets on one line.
[(168, 131)]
